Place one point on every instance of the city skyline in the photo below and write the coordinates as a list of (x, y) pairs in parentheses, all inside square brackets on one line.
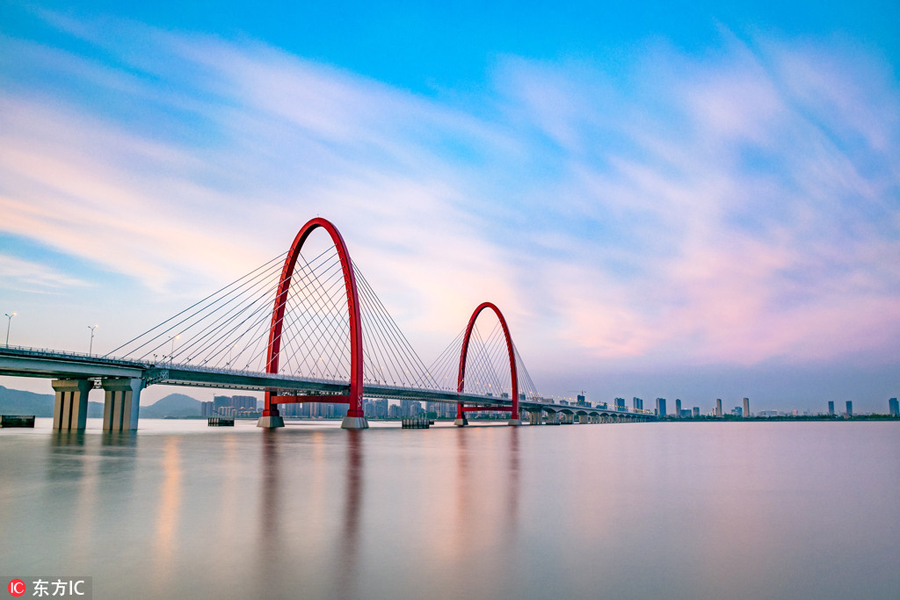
[(698, 207)]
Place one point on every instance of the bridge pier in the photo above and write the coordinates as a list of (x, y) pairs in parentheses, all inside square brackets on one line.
[(71, 403), (354, 423), (552, 418), (535, 417), (270, 418), (122, 404)]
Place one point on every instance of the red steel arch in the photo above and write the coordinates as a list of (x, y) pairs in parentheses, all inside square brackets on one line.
[(461, 379), (356, 353)]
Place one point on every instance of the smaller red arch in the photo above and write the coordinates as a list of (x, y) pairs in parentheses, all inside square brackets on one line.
[(514, 380)]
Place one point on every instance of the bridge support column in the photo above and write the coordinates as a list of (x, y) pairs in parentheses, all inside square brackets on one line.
[(535, 417), (461, 420), (71, 403), (354, 423), (552, 418), (270, 417), (122, 404)]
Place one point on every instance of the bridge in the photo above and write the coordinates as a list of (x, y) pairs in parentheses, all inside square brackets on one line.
[(299, 336)]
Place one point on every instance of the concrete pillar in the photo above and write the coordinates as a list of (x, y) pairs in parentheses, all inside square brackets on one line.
[(122, 403), (353, 423), (71, 404), (535, 417), (552, 418)]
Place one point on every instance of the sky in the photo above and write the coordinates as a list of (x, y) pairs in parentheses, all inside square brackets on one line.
[(695, 200)]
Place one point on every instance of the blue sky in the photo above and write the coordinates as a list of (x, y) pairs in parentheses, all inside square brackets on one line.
[(692, 201)]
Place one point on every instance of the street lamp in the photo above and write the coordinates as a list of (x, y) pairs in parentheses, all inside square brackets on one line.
[(91, 346), (8, 322), (172, 353)]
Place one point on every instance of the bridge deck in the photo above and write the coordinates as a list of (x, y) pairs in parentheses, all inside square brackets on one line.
[(30, 362)]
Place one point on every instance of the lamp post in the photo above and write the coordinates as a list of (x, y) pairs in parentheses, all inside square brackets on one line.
[(91, 346), (172, 353), (8, 322)]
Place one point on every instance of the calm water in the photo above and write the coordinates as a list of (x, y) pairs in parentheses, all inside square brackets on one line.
[(670, 510)]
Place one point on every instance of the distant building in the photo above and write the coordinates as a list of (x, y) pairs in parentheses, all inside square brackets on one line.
[(620, 404), (849, 408), (686, 413), (894, 407), (580, 400), (638, 403), (221, 402), (245, 402), (831, 408), (207, 409), (678, 407), (661, 407), (719, 408), (737, 411), (696, 411), (746, 407)]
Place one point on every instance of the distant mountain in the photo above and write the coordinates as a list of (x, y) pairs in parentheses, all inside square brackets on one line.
[(173, 405), (18, 402)]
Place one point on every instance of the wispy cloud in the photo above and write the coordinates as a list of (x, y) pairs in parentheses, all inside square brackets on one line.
[(737, 207), (34, 277)]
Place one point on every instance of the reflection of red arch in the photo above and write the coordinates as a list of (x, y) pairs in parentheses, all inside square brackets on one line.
[(284, 285), (461, 380)]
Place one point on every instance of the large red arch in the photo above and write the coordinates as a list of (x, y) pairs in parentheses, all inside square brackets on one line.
[(461, 379), (355, 397)]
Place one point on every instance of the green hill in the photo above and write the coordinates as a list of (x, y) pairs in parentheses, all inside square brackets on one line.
[(173, 405), (18, 402)]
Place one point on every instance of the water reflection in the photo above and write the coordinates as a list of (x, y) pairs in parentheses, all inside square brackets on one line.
[(346, 573), (166, 542), (285, 523), (271, 547)]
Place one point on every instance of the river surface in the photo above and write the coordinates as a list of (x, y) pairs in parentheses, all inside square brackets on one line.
[(656, 510)]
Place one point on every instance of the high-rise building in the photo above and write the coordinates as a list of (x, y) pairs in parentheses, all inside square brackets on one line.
[(737, 411), (638, 403), (719, 408), (696, 411), (661, 407), (831, 408), (849, 408), (246, 402), (746, 407), (678, 407), (620, 404), (894, 407)]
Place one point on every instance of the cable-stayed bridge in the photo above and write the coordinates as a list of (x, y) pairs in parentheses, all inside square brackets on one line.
[(304, 327)]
